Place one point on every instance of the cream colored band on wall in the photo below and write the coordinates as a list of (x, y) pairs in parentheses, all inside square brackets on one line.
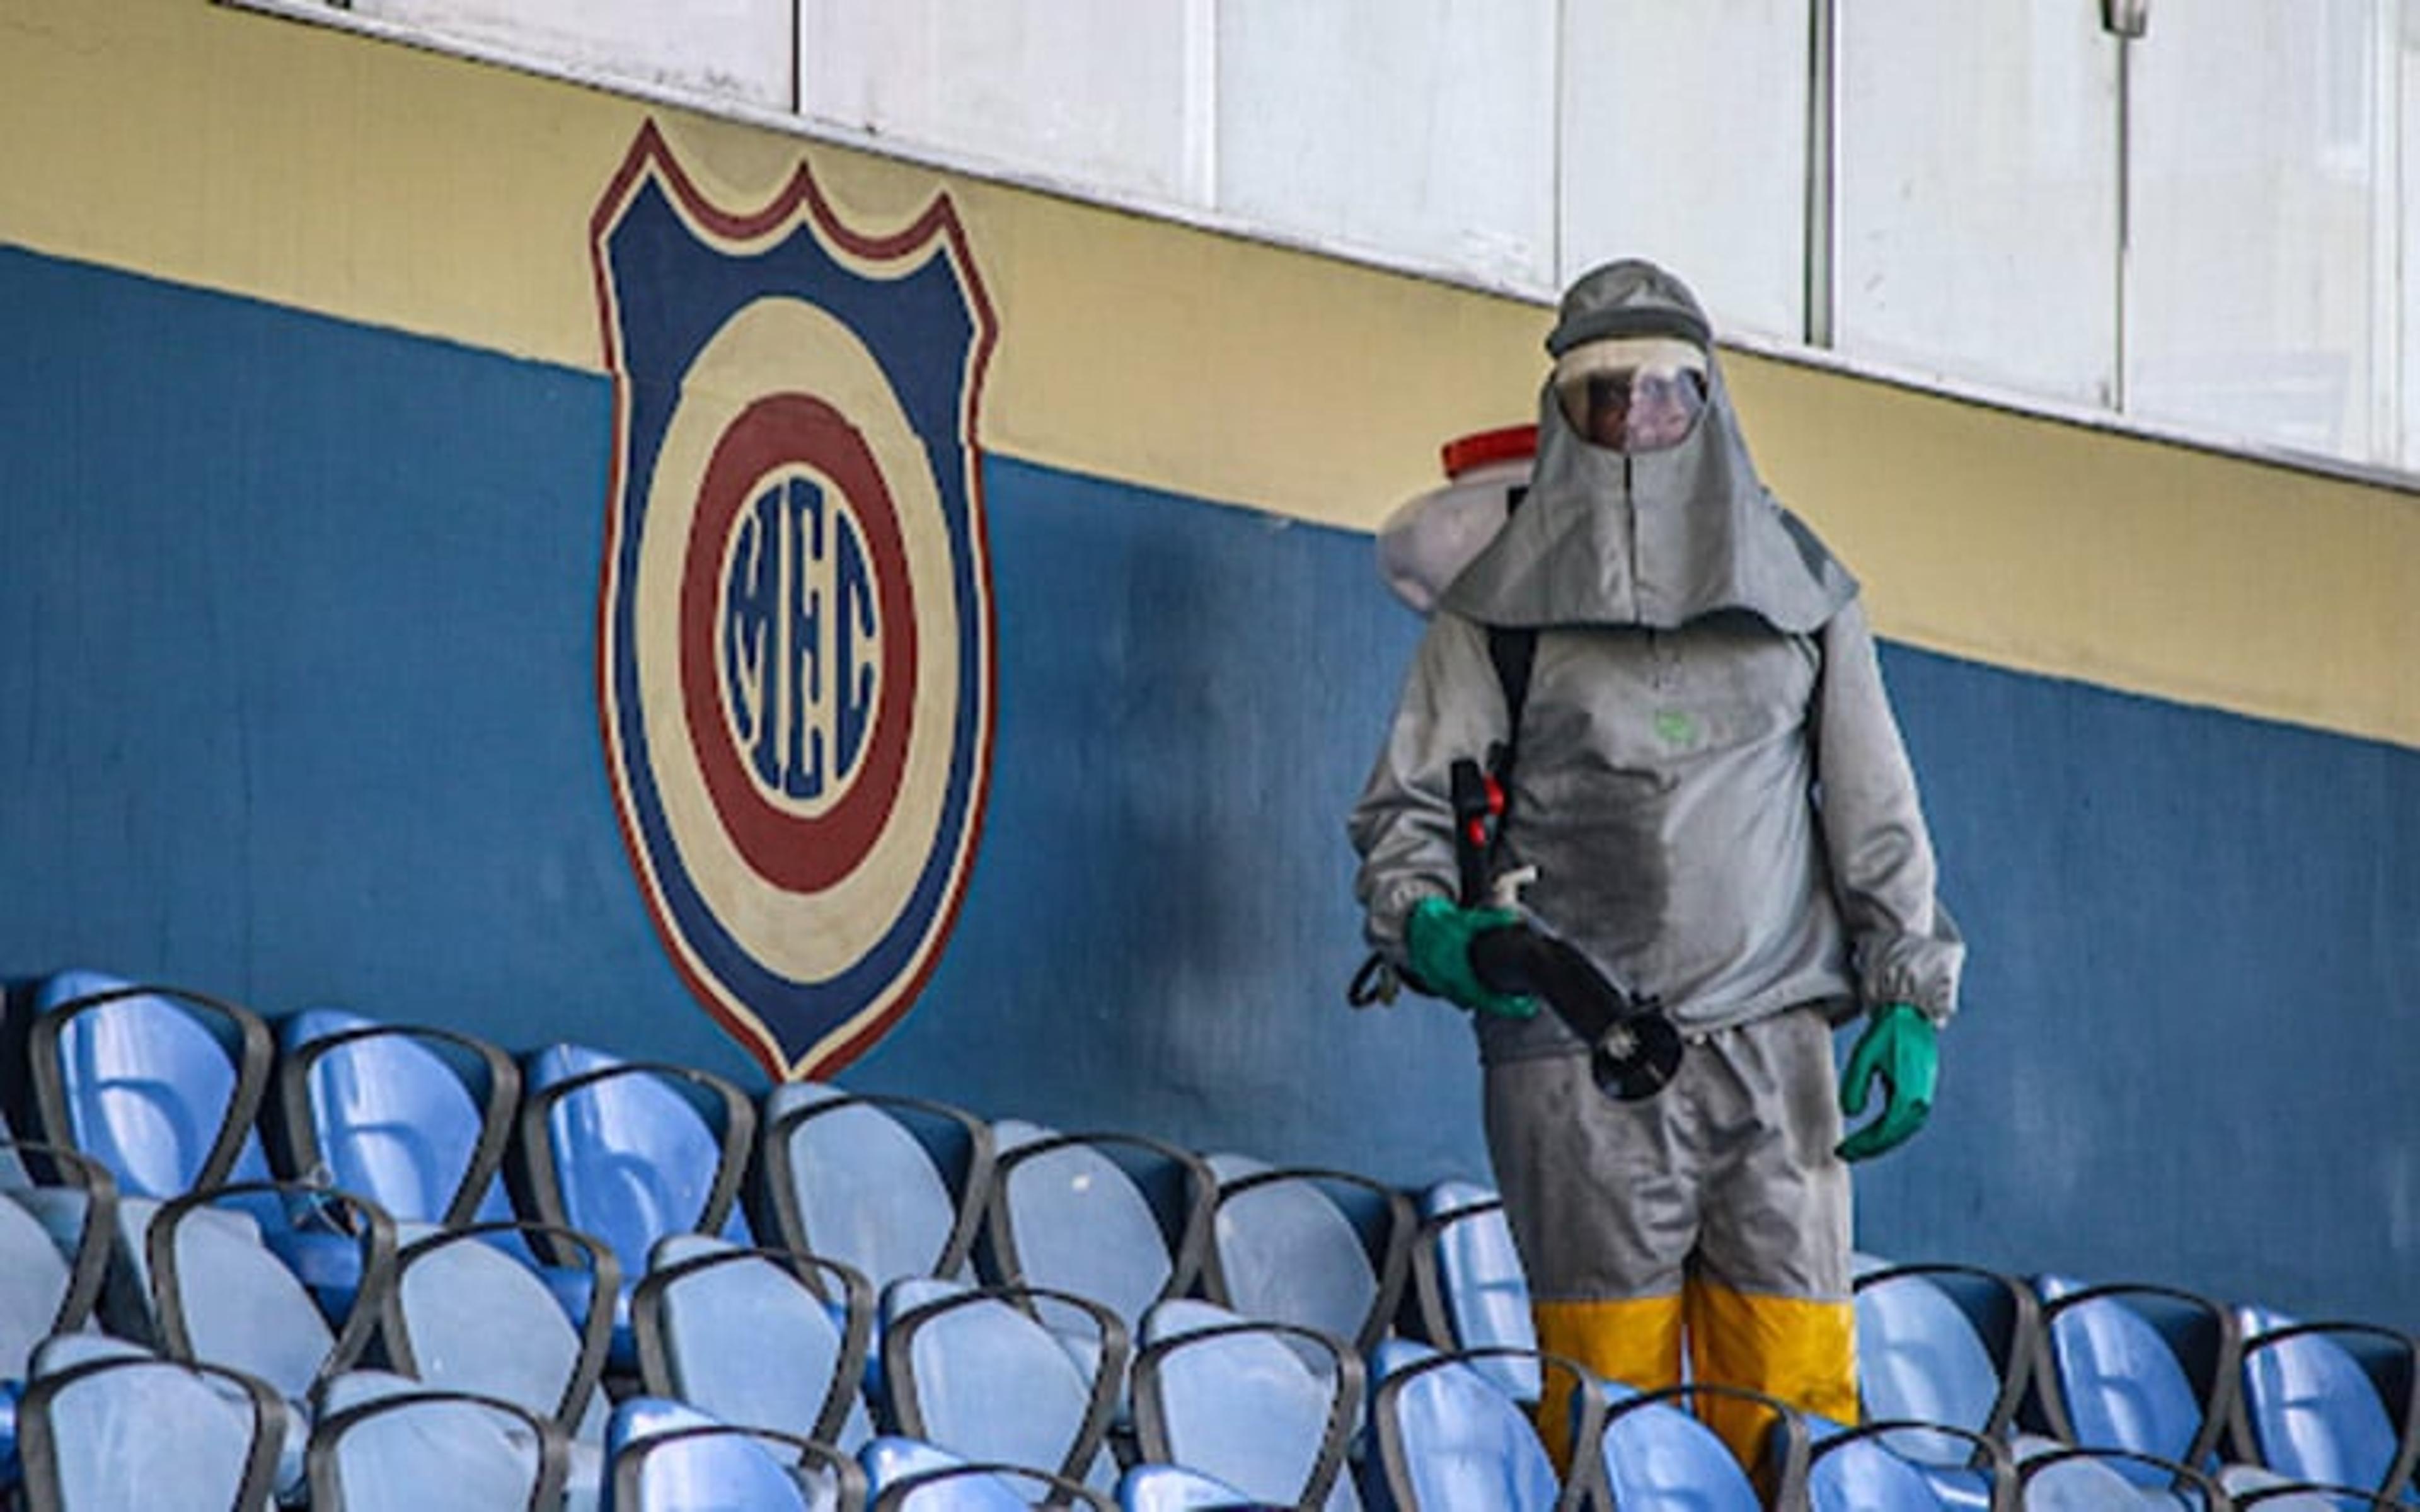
[(396, 187)]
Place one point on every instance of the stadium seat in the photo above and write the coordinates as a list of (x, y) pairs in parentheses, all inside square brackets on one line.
[(2334, 1403), (974, 1371), (1471, 1290), (1120, 1219), (1656, 1453), (1449, 1438), (1947, 1344), (415, 1118), (1321, 1249), (757, 1337), (114, 1434), (1156, 1487), (1269, 1408), (464, 1315), (387, 1443), (670, 1458), (55, 1248), (911, 1475), (1886, 1465), (629, 1151), (2278, 1494), (161, 1084), (2144, 1368), (892, 1186), (2075, 1478)]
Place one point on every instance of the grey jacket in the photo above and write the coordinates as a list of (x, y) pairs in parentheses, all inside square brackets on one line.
[(1709, 780)]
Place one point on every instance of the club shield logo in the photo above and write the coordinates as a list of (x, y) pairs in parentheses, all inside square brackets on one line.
[(796, 614)]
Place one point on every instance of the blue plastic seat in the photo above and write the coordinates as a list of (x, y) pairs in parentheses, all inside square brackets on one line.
[(629, 1151), (1449, 1438), (1267, 1407), (668, 1456), (114, 1434), (1122, 1219), (890, 1186), (1318, 1248), (2077, 1478), (1946, 1344), (1657, 1453), (976, 1372), (1471, 1289), (2334, 1403), (385, 1443), (907, 1475), (161, 1084), (1886, 1465), (2132, 1366), (2257, 1492), (757, 1337), (54, 1246), (464, 1315), (1156, 1487)]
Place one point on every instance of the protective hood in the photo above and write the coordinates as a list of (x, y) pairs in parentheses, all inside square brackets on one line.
[(1657, 538)]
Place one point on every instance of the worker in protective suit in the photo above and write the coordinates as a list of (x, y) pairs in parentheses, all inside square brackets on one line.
[(1709, 780)]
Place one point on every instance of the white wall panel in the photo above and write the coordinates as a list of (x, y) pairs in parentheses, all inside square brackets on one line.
[(1684, 140), (1100, 93), (1421, 128), (735, 48), (1979, 191)]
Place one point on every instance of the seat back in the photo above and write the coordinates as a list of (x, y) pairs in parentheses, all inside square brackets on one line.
[(976, 1372), (54, 1246), (1943, 1344), (669, 1458), (160, 1085), (149, 1433), (1321, 1249), (1449, 1437), (2084, 1479), (631, 1152), (1657, 1453), (2146, 1369), (1154, 1488), (1266, 1407), (890, 1186), (758, 1339), (385, 1446), (465, 1316), (1117, 1218), (415, 1118), (1862, 1475), (2315, 1395), (1473, 1292), (907, 1475)]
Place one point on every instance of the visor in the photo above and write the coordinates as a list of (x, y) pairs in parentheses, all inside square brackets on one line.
[(1633, 394)]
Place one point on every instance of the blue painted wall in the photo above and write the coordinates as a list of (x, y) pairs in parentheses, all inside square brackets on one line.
[(298, 704)]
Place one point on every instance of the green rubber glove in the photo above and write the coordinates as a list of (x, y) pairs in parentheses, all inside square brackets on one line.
[(1901, 1046), (1437, 937)]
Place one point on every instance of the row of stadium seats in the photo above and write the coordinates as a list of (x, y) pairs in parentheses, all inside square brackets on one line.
[(341, 1244)]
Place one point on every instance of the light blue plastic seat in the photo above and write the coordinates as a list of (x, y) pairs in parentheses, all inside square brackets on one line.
[(1154, 1488), (1268, 1407), (1657, 1453), (1318, 1248), (161, 1084), (890, 1186), (1121, 1219), (465, 1316), (1449, 1437), (977, 1373), (630, 1151), (2334, 1403), (117, 1433), (384, 1442), (1886, 1465), (55, 1248), (904, 1474), (2078, 1478), (2148, 1369), (1472, 1291), (668, 1456), (1949, 1344), (756, 1337)]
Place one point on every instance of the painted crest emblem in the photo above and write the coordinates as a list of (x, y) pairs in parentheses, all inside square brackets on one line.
[(796, 632)]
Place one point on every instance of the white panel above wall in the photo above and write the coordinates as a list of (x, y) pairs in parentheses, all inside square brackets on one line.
[(1421, 128), (1098, 93), (1684, 140), (738, 49)]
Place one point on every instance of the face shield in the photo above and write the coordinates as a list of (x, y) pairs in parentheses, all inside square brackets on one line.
[(1633, 394)]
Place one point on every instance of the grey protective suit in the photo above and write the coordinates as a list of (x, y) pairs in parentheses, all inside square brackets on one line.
[(1712, 786)]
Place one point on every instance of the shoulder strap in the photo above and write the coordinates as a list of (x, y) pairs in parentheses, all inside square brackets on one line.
[(1512, 649)]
